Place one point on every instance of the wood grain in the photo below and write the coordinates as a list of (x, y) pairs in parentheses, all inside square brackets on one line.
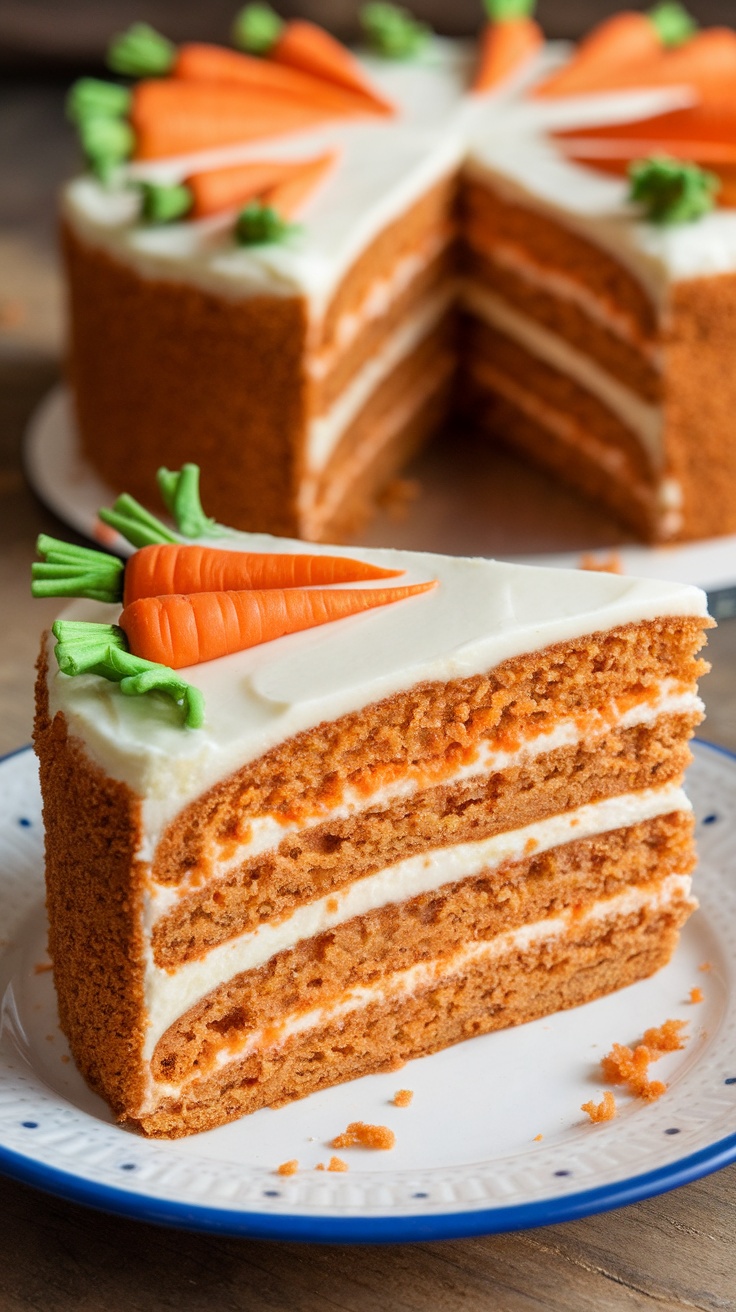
[(670, 1253)]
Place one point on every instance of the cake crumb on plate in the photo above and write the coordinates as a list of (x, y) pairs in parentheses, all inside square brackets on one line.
[(288, 1168), (601, 1111), (361, 1135), (403, 1097), (697, 995)]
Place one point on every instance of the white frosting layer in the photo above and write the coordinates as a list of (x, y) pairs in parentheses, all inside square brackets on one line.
[(672, 890), (480, 613), (170, 993), (268, 831), (643, 419), (324, 432)]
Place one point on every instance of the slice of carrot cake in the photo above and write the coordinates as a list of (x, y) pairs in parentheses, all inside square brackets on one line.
[(309, 815)]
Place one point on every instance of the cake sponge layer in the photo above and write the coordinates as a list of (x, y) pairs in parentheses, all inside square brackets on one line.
[(487, 993)]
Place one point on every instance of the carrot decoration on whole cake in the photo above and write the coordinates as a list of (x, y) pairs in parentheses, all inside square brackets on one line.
[(672, 191), (658, 49), (618, 47), (510, 39), (183, 603), (284, 185), (393, 32), (306, 47)]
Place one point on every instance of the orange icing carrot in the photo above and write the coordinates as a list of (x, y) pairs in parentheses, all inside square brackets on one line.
[(309, 48), (223, 189), (306, 48), (172, 116), (288, 196), (208, 63), (165, 568), (508, 41), (627, 45), (178, 631)]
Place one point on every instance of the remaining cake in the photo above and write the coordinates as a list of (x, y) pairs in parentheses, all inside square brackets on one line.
[(450, 814), (303, 367)]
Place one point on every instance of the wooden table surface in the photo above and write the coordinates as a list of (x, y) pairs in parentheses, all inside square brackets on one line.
[(673, 1252)]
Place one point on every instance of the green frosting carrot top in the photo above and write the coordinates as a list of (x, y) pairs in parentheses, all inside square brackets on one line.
[(672, 190), (392, 31)]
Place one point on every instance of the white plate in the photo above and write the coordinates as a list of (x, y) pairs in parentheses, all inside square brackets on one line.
[(466, 1160), (476, 501)]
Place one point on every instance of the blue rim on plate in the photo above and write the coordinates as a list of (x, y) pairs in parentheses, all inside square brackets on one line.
[(370, 1229)]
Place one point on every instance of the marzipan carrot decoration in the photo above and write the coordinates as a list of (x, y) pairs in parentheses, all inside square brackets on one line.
[(304, 46), (171, 116), (158, 569), (510, 39), (709, 123), (218, 190), (143, 52), (618, 48), (163, 564), (289, 195), (179, 631), (184, 604)]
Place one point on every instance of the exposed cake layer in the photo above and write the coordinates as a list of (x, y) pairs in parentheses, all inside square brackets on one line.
[(550, 254), (509, 979), (431, 730), (323, 860), (213, 983), (380, 786)]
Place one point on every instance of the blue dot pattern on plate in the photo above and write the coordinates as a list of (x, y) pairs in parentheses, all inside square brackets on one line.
[(127, 1166), (271, 1193), (29, 1125), (730, 1080), (563, 1172), (709, 819), (673, 1130), (420, 1195), (24, 822)]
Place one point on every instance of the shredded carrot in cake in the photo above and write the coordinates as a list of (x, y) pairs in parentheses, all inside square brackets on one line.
[(403, 1097), (288, 1168), (697, 995), (601, 1111), (361, 1135)]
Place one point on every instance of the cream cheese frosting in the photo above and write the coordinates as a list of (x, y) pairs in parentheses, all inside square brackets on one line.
[(481, 613)]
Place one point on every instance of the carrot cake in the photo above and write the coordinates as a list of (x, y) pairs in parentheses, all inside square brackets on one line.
[(283, 281), (322, 851)]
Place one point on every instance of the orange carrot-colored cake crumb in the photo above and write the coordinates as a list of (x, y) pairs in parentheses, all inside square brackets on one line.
[(705, 966), (538, 1138), (696, 995), (624, 1065), (606, 565), (403, 1097), (337, 1164), (361, 1135), (601, 1111), (42, 967), (288, 1168), (665, 1038)]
